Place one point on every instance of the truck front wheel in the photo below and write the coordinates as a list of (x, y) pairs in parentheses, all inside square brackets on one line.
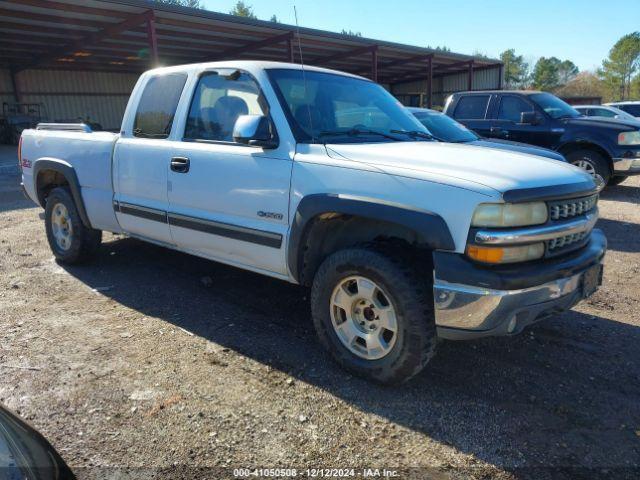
[(374, 313), (70, 241), (592, 162)]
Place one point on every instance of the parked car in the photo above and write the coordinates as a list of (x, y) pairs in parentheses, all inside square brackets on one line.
[(604, 111), (25, 454), (402, 239), (631, 107), (605, 147), (446, 129)]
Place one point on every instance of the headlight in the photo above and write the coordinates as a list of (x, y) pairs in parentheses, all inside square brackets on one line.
[(629, 138), (509, 214), (521, 253)]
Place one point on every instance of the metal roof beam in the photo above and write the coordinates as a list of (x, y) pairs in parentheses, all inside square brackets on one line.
[(90, 39), (250, 46), (341, 55)]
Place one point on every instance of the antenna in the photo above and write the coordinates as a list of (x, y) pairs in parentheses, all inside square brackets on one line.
[(304, 77)]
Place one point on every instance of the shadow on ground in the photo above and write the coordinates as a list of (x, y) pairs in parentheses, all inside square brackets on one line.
[(564, 393), (622, 193), (621, 236), (11, 196)]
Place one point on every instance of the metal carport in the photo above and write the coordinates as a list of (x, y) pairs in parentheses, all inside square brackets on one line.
[(107, 43)]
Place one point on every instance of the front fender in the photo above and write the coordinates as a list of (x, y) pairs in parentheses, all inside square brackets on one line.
[(431, 229)]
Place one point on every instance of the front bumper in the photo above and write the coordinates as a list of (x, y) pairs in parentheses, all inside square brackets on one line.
[(628, 163), (473, 301)]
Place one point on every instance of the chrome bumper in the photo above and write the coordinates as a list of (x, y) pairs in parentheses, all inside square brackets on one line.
[(626, 166), (469, 312)]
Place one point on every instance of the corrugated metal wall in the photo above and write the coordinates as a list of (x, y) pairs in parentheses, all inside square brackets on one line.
[(100, 97), (446, 85)]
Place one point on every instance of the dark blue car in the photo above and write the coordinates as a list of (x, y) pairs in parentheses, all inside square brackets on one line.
[(446, 129)]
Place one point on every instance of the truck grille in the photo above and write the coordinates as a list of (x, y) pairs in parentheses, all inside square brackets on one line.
[(564, 209), (561, 210), (568, 242)]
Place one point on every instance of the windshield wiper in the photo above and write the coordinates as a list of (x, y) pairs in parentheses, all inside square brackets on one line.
[(418, 134), (354, 132)]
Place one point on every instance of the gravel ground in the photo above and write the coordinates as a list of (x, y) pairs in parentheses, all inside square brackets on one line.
[(151, 363)]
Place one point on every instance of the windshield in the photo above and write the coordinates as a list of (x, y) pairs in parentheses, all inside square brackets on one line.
[(444, 127), (553, 106), (330, 108)]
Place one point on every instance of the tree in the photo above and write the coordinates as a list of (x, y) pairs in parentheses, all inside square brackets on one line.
[(567, 71), (584, 84), (546, 73), (182, 3), (439, 48), (241, 9), (623, 62), (274, 19), (516, 70), (349, 32), (635, 88)]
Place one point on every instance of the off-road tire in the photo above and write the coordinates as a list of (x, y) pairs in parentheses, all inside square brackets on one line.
[(410, 292), (596, 160), (617, 180), (85, 241)]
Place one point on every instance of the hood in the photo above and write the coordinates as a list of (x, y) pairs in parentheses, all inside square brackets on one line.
[(614, 124), (461, 164), (517, 147)]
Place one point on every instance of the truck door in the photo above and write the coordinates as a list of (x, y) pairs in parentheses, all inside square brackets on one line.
[(471, 110), (141, 160), (229, 201), (508, 126)]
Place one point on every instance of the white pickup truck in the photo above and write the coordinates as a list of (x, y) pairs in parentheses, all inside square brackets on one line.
[(322, 178)]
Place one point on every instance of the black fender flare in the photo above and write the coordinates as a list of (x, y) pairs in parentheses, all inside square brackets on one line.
[(68, 172), (430, 227)]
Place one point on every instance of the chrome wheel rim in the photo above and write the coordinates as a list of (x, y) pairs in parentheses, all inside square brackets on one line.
[(363, 318), (61, 226), (586, 165)]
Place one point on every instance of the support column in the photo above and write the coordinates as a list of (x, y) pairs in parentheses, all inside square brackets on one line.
[(290, 50), (152, 39), (14, 85), (430, 83), (374, 64), (500, 67), (470, 85)]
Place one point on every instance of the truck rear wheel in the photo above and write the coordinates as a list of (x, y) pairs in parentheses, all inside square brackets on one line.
[(592, 162), (374, 313), (70, 241)]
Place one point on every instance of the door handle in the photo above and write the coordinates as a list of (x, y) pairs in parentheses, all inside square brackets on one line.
[(180, 164)]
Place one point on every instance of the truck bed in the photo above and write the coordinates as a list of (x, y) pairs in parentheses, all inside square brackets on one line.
[(89, 153)]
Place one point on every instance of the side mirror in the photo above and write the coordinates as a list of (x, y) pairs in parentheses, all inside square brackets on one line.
[(255, 131), (529, 118)]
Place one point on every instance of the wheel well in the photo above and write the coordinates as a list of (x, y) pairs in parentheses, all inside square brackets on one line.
[(329, 232), (48, 180), (573, 146)]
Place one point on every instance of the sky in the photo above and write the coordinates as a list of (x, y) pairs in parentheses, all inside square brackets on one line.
[(582, 31)]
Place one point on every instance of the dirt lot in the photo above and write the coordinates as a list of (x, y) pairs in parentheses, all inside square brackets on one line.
[(155, 363)]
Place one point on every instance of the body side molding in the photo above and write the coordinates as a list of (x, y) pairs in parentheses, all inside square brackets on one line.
[(237, 232)]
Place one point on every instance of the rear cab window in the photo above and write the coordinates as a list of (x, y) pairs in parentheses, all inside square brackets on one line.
[(472, 107), (157, 107)]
